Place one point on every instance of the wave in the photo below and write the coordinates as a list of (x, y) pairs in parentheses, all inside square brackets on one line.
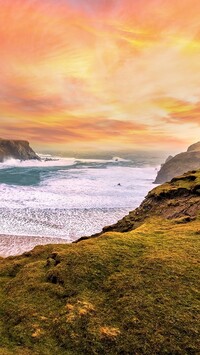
[(48, 160), (34, 172), (51, 162), (74, 188)]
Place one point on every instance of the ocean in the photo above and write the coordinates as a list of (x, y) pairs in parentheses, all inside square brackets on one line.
[(68, 198)]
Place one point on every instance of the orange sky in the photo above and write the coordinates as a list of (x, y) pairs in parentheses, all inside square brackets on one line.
[(92, 74)]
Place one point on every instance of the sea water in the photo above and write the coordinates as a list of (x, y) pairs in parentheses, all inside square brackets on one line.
[(69, 198)]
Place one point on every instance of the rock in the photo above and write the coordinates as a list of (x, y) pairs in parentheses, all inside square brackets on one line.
[(179, 164), (16, 149)]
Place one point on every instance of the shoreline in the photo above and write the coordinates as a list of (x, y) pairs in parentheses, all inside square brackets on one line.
[(13, 245)]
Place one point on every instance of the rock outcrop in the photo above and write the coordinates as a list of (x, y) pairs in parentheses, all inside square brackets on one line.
[(179, 164), (17, 149), (178, 200)]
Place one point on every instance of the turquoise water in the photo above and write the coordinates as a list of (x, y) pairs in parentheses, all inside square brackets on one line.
[(69, 198), (26, 174)]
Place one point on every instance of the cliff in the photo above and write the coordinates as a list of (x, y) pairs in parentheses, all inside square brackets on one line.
[(178, 200), (180, 164), (122, 293), (17, 149)]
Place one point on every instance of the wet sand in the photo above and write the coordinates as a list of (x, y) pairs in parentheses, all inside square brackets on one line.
[(15, 245)]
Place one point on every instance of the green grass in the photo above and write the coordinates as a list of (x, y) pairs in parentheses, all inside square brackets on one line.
[(187, 181), (130, 293)]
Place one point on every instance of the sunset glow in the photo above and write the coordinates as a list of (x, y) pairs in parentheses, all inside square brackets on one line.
[(84, 74)]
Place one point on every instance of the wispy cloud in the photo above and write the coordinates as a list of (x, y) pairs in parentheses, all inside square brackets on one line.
[(122, 72)]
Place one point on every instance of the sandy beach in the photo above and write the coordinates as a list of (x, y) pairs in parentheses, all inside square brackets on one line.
[(11, 245)]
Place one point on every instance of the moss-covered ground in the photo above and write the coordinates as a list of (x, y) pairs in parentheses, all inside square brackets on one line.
[(130, 293), (189, 182)]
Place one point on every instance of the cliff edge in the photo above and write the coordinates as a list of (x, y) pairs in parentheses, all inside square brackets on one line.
[(178, 200), (16, 149), (180, 164)]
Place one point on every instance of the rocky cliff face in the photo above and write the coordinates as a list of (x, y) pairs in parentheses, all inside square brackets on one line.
[(180, 164), (178, 200), (16, 149)]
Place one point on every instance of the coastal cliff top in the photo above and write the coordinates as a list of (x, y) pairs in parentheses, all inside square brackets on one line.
[(14, 140)]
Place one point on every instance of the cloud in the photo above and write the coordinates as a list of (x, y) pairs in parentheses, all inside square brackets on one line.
[(183, 113), (126, 71), (101, 133)]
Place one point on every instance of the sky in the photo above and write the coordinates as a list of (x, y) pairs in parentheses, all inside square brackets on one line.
[(100, 74)]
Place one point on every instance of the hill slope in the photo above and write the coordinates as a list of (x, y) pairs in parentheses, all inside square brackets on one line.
[(121, 293)]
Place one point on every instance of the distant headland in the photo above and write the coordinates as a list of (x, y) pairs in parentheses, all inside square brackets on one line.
[(179, 164), (16, 149)]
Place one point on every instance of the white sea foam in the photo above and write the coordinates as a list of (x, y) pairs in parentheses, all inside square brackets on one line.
[(69, 198), (48, 161), (56, 161)]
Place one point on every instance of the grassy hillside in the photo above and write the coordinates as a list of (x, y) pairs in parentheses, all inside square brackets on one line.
[(120, 293)]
